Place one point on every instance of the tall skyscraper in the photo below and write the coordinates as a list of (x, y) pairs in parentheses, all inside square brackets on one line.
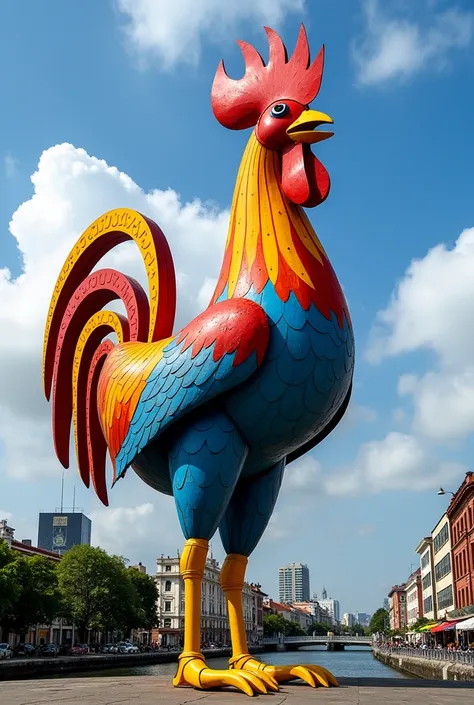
[(60, 531), (294, 583)]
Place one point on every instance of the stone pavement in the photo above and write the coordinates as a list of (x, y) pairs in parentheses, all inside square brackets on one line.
[(149, 690)]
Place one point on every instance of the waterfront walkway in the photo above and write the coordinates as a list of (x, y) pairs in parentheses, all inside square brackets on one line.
[(149, 690)]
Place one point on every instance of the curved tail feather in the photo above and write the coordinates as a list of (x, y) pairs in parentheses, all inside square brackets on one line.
[(74, 351)]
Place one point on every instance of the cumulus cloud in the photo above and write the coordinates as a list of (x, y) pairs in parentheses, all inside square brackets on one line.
[(130, 530), (397, 462), (394, 47), (71, 189), (431, 309), (171, 33)]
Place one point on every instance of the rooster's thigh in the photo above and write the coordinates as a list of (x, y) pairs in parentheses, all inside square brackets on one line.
[(250, 509), (205, 462)]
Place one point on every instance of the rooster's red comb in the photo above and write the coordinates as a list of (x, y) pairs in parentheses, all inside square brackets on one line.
[(237, 104)]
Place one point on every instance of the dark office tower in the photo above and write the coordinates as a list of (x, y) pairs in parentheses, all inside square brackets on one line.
[(60, 531)]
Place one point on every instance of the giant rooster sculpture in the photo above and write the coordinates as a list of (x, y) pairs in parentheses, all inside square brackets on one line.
[(214, 413)]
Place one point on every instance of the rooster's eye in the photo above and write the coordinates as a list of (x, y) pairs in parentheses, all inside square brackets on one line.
[(279, 110)]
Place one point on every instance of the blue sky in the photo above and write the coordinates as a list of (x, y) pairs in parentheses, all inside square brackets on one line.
[(107, 104)]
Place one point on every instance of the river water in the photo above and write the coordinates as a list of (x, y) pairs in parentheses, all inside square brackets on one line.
[(353, 662)]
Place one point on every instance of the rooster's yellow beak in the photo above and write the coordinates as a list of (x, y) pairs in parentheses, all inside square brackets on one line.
[(303, 129)]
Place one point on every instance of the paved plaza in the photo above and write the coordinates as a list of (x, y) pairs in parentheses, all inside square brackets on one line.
[(149, 690)]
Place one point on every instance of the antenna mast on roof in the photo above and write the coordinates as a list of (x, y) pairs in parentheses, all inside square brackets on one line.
[(62, 492)]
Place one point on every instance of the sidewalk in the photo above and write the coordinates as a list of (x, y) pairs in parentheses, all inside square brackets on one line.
[(149, 690)]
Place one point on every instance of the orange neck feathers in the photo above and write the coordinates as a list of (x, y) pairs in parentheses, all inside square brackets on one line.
[(271, 240)]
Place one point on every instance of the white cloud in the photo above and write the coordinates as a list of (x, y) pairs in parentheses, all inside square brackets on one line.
[(10, 165), (71, 189), (136, 532), (303, 474), (398, 48), (172, 32), (398, 462), (432, 309)]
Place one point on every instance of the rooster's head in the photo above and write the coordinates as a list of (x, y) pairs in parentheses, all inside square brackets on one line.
[(275, 98)]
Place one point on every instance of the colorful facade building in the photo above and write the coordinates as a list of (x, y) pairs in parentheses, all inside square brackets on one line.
[(398, 607), (428, 587), (414, 598), (461, 516), (443, 574)]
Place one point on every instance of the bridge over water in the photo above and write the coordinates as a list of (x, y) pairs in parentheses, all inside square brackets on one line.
[(333, 642)]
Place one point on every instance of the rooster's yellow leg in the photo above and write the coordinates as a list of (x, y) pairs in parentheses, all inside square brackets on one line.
[(232, 583), (192, 668)]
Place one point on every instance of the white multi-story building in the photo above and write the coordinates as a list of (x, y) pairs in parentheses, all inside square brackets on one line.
[(443, 576), (293, 583), (414, 598), (425, 551), (214, 622), (348, 619), (331, 606)]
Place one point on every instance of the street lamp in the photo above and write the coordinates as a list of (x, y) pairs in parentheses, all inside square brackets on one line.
[(442, 492)]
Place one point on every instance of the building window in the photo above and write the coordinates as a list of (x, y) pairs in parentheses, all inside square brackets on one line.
[(167, 623), (443, 567), (427, 604), (445, 597), (425, 559), (168, 586), (441, 538), (167, 568), (167, 606), (426, 581)]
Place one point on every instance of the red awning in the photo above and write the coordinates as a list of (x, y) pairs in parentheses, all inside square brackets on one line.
[(446, 626)]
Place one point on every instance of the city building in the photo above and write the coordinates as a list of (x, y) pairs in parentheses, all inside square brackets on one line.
[(428, 586), (318, 614), (348, 619), (398, 611), (258, 610), (293, 583), (461, 516), (300, 615), (362, 618), (214, 622), (443, 574), (386, 604), (61, 530), (414, 598), (331, 606), (25, 546)]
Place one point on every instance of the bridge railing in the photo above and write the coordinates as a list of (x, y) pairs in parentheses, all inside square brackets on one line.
[(434, 654), (318, 640)]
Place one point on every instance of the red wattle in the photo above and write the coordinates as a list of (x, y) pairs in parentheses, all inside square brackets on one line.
[(304, 179)]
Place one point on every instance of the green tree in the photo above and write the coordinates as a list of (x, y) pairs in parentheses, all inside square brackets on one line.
[(420, 622), (274, 624), (380, 622), (32, 593), (9, 587), (96, 590), (146, 596), (293, 629), (318, 629)]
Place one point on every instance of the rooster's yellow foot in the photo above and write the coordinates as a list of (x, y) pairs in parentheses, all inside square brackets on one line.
[(310, 673), (193, 671)]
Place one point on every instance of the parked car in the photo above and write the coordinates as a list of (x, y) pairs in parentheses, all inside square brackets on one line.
[(24, 650), (51, 650), (109, 649), (5, 650), (79, 650), (125, 647)]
